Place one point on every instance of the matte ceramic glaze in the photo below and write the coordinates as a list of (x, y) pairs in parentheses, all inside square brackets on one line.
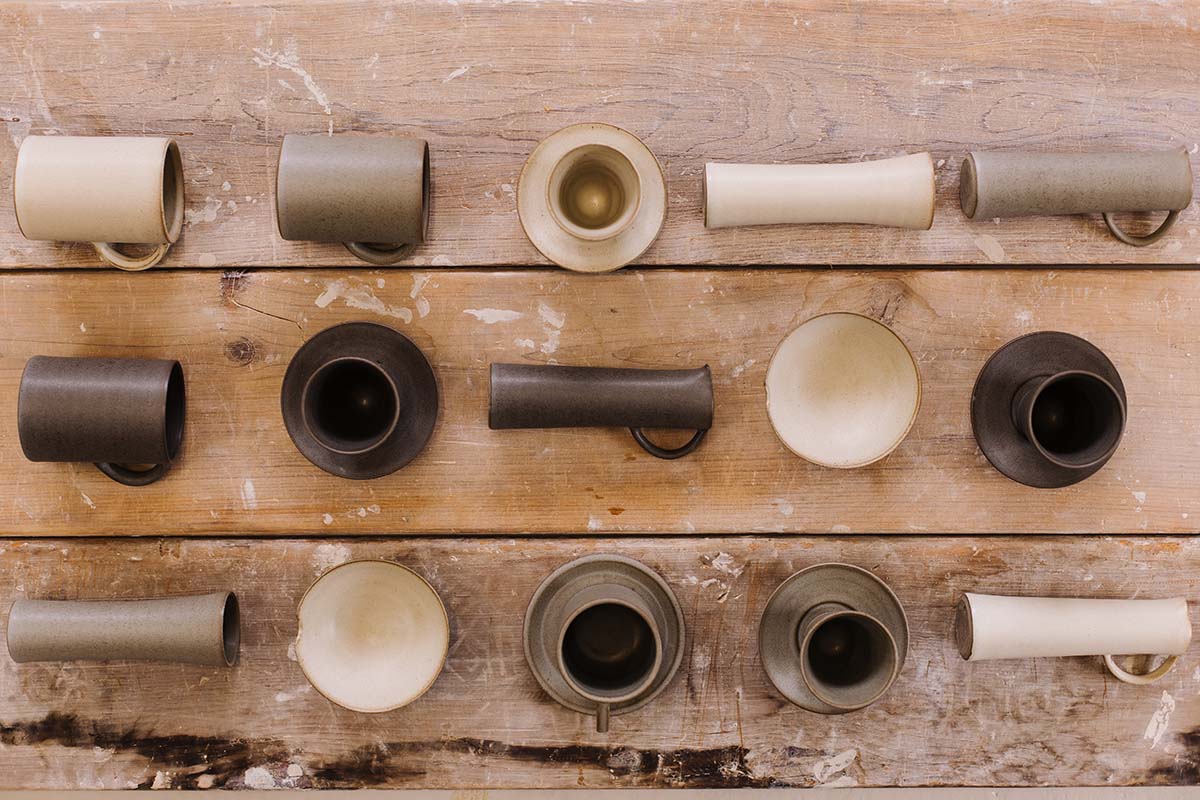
[(603, 635), (373, 635), (833, 638), (1021, 183), (897, 192), (592, 197), (1048, 409), (197, 629), (551, 396), (842, 390), (370, 192), (106, 190), (114, 412), (991, 626), (359, 400)]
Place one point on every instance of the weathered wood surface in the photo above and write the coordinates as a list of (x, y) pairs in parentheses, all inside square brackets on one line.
[(240, 473), (485, 723), (699, 81)]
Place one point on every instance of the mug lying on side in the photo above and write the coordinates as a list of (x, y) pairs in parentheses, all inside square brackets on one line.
[(195, 629), (549, 396), (1022, 184), (114, 412), (896, 192), (107, 190), (369, 192), (991, 626)]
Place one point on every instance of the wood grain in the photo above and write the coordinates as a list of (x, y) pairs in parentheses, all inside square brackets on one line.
[(700, 81), (485, 723), (239, 472)]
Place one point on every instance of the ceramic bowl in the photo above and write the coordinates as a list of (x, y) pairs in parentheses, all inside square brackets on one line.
[(842, 390), (373, 635)]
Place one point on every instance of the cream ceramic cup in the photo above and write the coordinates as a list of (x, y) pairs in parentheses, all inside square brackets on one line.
[(107, 190), (842, 390)]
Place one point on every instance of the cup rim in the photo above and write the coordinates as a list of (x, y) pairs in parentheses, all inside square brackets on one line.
[(642, 686), (321, 439), (872, 619), (609, 231), (1027, 420)]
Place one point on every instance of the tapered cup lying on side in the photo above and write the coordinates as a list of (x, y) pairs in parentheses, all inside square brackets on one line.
[(549, 396), (359, 400), (107, 190), (896, 192), (842, 390), (1021, 184), (197, 629), (373, 635), (369, 192), (592, 197), (115, 412), (1048, 409), (991, 626), (833, 638), (603, 635)]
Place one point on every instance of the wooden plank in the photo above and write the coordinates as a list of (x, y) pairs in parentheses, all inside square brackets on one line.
[(699, 81), (1049, 722), (239, 472)]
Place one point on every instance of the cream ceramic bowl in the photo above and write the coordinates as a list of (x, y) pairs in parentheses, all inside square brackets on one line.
[(373, 635), (842, 390)]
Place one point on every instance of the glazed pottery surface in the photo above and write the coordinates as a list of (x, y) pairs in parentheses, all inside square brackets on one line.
[(102, 189), (833, 638), (114, 412), (842, 390), (1048, 409), (373, 635), (370, 192), (897, 192), (359, 400), (592, 197), (552, 396), (603, 635), (198, 629), (993, 626), (1021, 183)]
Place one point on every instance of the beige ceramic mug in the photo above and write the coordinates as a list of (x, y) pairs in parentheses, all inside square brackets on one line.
[(107, 190)]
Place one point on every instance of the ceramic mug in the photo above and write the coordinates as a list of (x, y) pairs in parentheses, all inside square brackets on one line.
[(369, 192), (107, 190), (1074, 418), (115, 412), (198, 629), (1021, 183), (848, 658)]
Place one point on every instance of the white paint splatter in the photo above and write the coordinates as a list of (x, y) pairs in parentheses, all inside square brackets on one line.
[(360, 296), (783, 506), (162, 780), (594, 523), (1156, 728), (723, 562), (328, 556), (826, 768), (295, 770), (420, 279), (212, 206), (289, 59), (1140, 497), (249, 495), (87, 500), (291, 651), (259, 778), (1024, 316), (82, 328), (327, 519), (991, 247), (287, 697), (552, 323), (526, 343), (737, 371), (441, 261), (490, 316), (458, 73)]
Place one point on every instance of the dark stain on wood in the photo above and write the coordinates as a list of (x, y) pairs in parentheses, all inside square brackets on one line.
[(242, 351), (1183, 769)]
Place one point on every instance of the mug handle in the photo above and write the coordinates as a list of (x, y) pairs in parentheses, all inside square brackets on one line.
[(133, 477), (379, 255), (1140, 241), (1140, 678), (119, 260), (661, 452)]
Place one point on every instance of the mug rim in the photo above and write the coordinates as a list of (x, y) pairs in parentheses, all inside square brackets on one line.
[(807, 678), (319, 437), (651, 673), (609, 231), (1027, 419)]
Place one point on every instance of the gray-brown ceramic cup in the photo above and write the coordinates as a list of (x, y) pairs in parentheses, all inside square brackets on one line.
[(848, 658), (195, 629), (114, 412), (369, 192), (1021, 183)]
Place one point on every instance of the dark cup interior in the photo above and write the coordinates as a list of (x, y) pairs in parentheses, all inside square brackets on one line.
[(350, 405), (609, 649), (848, 659), (1076, 418), (175, 411), (231, 629)]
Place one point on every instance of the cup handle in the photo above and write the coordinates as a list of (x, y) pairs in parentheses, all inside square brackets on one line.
[(133, 477), (113, 256), (378, 255), (1140, 241), (602, 718), (661, 452), (1140, 678)]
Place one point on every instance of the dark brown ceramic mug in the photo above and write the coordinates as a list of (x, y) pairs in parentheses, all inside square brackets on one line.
[(1074, 418), (115, 412), (548, 396), (369, 192)]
